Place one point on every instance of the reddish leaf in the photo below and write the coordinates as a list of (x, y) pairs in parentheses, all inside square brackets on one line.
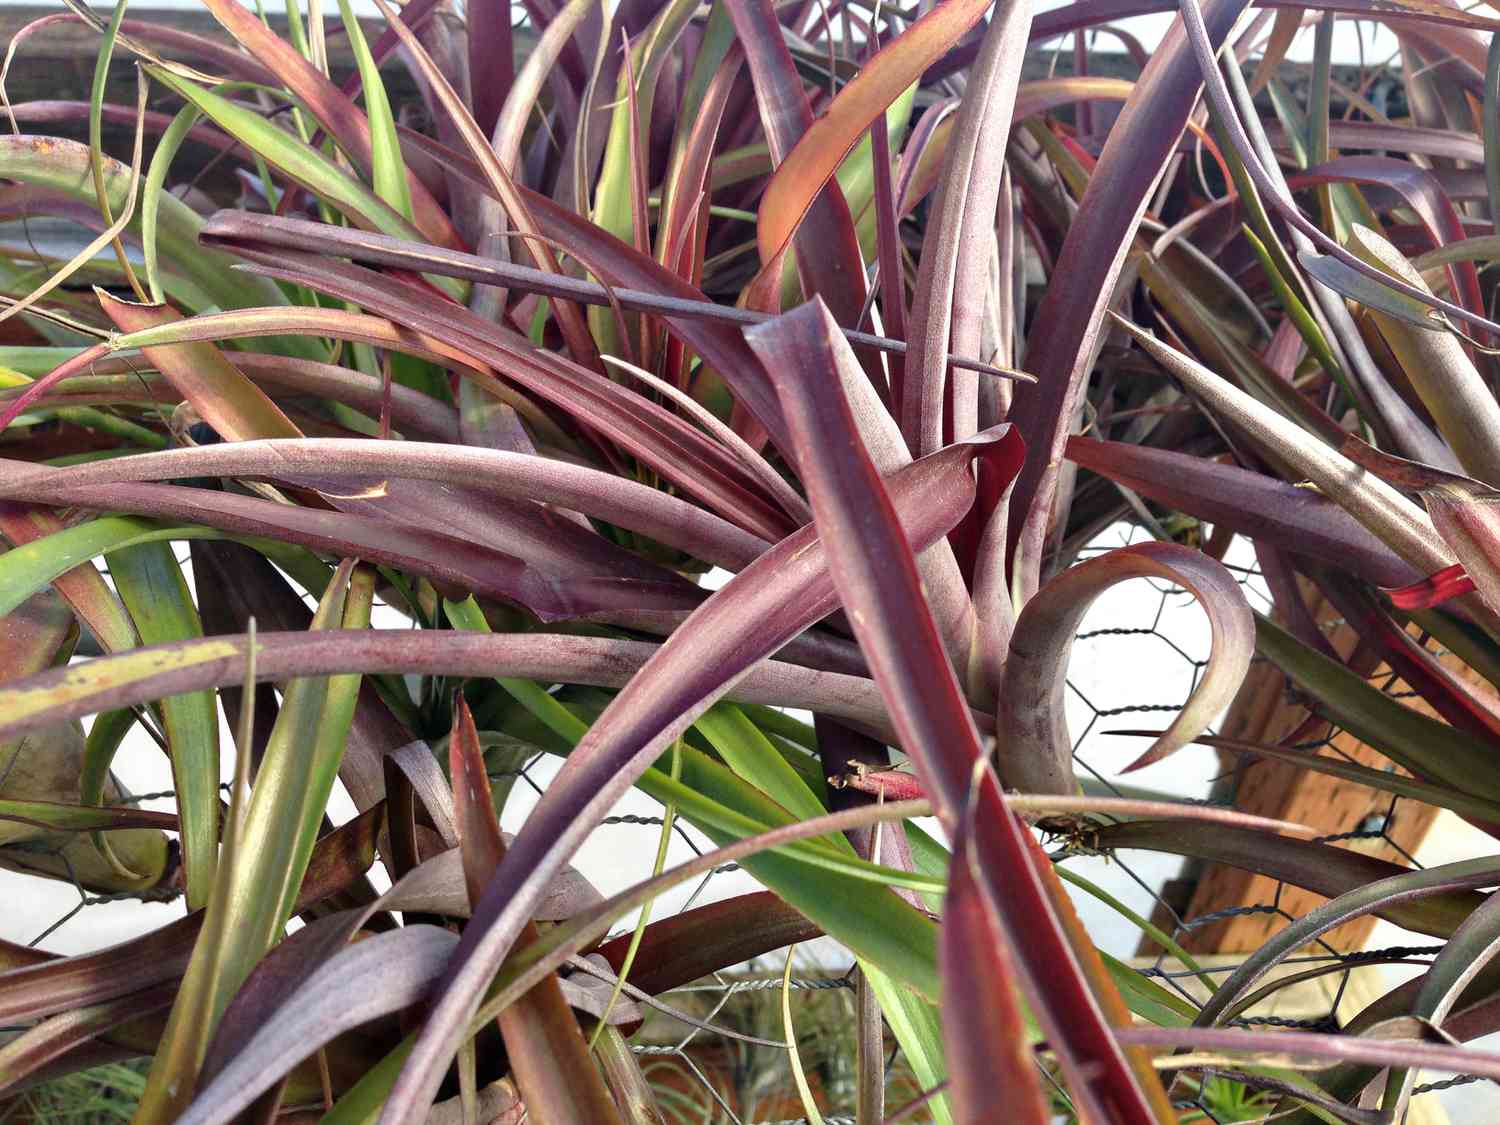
[(1035, 750), (990, 1066), (1449, 583), (1066, 331), (954, 275), (547, 1051), (875, 573), (828, 255), (771, 600)]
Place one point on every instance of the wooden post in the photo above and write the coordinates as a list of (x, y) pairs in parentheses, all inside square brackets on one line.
[(1264, 712)]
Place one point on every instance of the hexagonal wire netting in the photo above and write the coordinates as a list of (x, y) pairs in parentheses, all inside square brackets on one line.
[(1138, 655)]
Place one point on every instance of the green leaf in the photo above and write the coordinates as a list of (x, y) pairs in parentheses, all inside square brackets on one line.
[(750, 754), (387, 166), (82, 587), (1302, 318), (917, 1027), (21, 820), (612, 195), (151, 585), (265, 854), (167, 146), (302, 163), (28, 568), (105, 735), (1426, 747)]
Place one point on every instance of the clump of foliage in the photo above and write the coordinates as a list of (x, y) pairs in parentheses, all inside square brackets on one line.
[(834, 298)]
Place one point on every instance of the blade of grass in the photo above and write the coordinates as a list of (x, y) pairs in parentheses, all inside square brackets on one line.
[(529, 966), (801, 175), (65, 166), (387, 170), (165, 152), (96, 135), (657, 292), (343, 462), (1388, 514), (1442, 796), (221, 394), (1380, 895), (298, 160), (82, 587), (799, 1076), (1472, 946), (1253, 504), (570, 320), (829, 254)]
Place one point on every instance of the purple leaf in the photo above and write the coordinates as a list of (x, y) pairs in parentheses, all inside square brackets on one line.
[(486, 472), (770, 601), (875, 574), (672, 446), (445, 559), (990, 1063), (1253, 504), (954, 273), (1323, 1047), (149, 673), (382, 974), (35, 1047), (1068, 323), (1323, 868)]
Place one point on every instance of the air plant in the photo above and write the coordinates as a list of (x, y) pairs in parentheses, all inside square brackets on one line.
[(658, 289)]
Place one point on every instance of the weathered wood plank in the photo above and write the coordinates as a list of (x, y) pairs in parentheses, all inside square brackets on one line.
[(1264, 712)]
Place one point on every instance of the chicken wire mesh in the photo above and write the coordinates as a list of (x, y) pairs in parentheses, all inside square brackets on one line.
[(1137, 657)]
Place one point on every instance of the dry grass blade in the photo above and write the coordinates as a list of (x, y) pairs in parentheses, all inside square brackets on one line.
[(799, 1075)]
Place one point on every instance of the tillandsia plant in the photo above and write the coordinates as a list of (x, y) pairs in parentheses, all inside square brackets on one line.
[(835, 298)]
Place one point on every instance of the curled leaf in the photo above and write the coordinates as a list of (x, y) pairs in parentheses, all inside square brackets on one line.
[(1034, 748)]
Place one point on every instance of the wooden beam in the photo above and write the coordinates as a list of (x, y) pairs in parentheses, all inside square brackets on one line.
[(1265, 711)]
